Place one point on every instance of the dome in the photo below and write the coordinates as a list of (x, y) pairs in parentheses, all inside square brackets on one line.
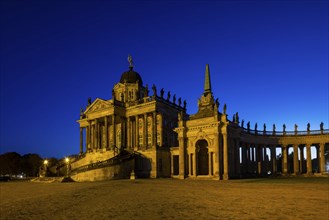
[(131, 76)]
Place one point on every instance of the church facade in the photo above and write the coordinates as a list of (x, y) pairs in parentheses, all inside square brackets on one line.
[(160, 139)]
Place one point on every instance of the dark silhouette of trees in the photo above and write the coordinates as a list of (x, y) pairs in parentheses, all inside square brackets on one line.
[(31, 164), (10, 163), (13, 163)]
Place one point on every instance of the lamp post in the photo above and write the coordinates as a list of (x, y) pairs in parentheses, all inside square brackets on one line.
[(45, 163), (67, 161)]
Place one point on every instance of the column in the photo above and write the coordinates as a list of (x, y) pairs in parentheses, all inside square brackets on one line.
[(210, 163), (154, 133), (301, 151), (244, 158), (190, 165), (237, 157), (87, 138), (81, 140), (248, 158), (172, 164), (284, 160), (145, 138), (225, 155), (129, 135), (264, 162), (89, 135), (97, 134), (136, 133), (216, 158), (322, 159), (161, 128), (259, 159), (194, 164), (114, 132), (92, 141), (106, 132), (309, 159), (94, 135), (318, 159), (181, 158), (296, 164), (273, 159), (123, 133)]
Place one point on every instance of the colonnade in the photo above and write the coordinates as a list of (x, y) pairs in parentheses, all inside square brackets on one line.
[(138, 132), (255, 160)]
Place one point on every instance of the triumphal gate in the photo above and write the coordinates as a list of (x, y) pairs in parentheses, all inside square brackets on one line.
[(148, 134)]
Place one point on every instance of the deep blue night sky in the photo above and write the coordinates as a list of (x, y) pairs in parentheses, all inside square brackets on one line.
[(268, 61)]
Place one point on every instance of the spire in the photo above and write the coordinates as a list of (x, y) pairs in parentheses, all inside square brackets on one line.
[(207, 84)]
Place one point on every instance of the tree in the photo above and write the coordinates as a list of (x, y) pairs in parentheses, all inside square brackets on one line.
[(31, 164), (10, 164), (13, 163)]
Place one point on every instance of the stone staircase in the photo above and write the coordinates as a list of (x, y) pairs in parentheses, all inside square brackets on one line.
[(48, 179)]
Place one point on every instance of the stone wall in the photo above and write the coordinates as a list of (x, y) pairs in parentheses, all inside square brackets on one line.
[(92, 157), (119, 171)]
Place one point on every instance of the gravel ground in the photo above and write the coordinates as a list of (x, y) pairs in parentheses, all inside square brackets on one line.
[(284, 198)]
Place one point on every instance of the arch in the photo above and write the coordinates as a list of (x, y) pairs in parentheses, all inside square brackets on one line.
[(201, 147)]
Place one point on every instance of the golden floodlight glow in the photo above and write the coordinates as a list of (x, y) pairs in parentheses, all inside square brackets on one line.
[(67, 159), (45, 162)]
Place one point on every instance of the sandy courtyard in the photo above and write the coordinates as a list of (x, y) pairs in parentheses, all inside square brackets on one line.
[(291, 198)]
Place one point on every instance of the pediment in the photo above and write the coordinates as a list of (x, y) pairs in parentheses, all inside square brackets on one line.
[(98, 105)]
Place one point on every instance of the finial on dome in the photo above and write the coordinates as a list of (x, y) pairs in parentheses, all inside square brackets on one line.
[(130, 60)]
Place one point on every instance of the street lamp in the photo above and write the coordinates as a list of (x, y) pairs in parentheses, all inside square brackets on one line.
[(45, 163), (67, 161)]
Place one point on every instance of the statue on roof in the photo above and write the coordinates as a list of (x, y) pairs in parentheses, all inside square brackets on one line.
[(179, 101), (174, 99), (184, 104), (256, 127), (81, 113), (264, 127), (242, 123), (168, 95), (154, 90), (161, 93), (217, 102), (89, 101), (321, 126), (224, 109), (248, 125), (308, 126), (130, 61), (113, 94), (146, 91)]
